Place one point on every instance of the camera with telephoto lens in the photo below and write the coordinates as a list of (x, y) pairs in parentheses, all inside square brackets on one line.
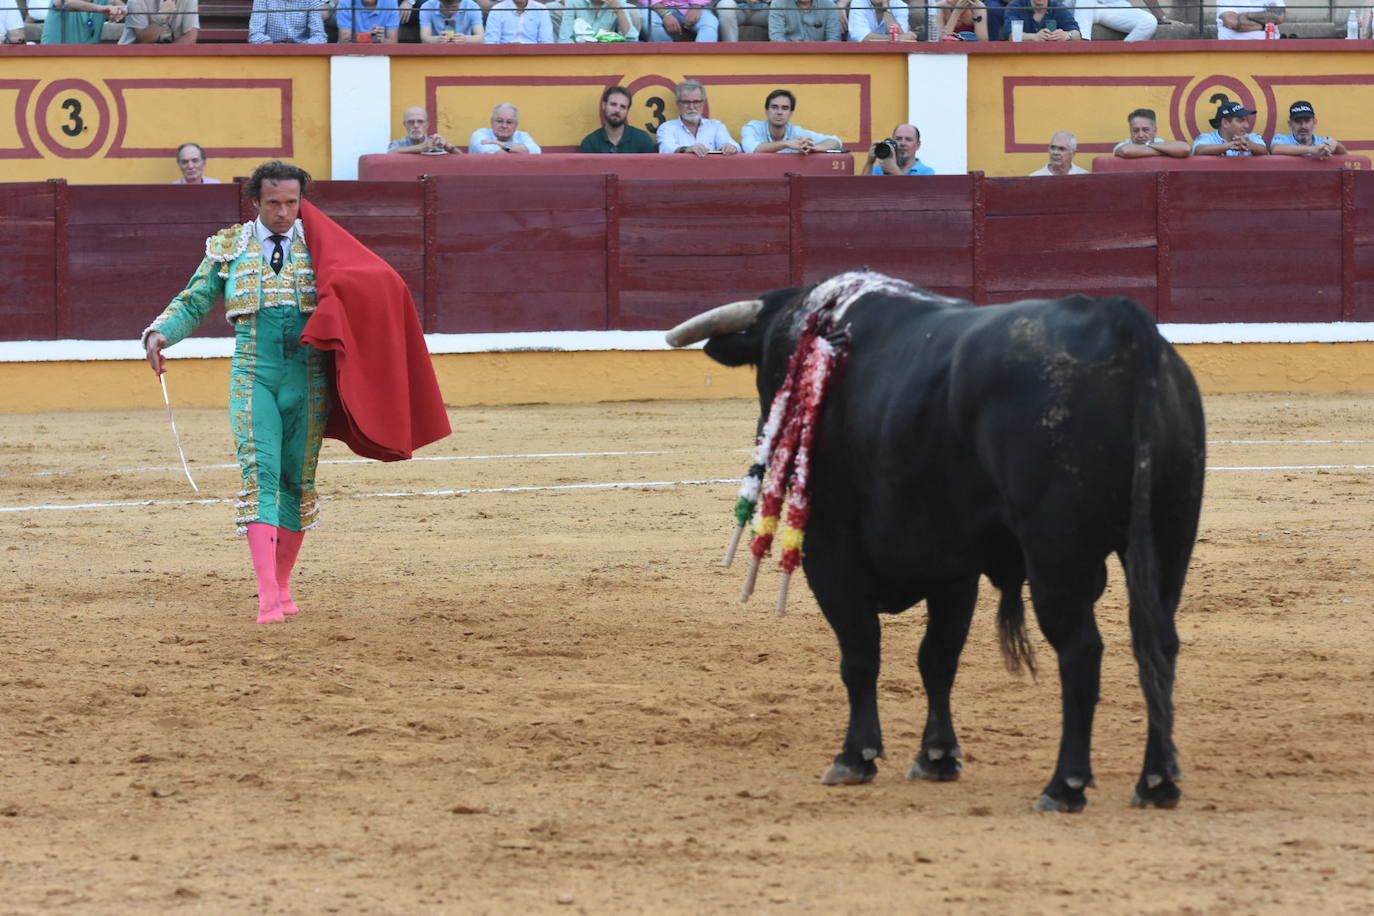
[(885, 149)]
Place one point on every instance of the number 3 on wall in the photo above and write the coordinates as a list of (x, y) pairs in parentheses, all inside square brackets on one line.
[(72, 118), (76, 125)]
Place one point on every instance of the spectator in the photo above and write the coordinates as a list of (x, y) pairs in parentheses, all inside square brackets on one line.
[(583, 20), (286, 22), (36, 15), (803, 20), (502, 136), (898, 154), (519, 22), (682, 20), (616, 135), (735, 13), (11, 24), (1138, 24), (368, 21), (79, 22), (778, 134), (1232, 136), (191, 159), (691, 133), (417, 139), (1045, 20), (960, 18), (451, 22), (873, 20), (1145, 142), (161, 22), (1247, 21), (1302, 139), (1062, 147)]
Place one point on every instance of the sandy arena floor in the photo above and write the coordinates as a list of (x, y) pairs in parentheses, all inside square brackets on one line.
[(517, 689)]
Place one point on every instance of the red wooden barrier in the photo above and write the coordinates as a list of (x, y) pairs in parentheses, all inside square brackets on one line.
[(575, 252)]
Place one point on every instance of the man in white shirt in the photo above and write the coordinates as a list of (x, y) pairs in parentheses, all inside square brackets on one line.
[(874, 20), (691, 133), (1145, 140), (1062, 147), (1138, 24), (1248, 21), (503, 136)]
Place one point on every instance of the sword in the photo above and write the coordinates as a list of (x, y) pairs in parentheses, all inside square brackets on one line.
[(162, 377)]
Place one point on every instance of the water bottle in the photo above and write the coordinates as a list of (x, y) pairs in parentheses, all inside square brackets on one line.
[(1352, 25), (932, 22)]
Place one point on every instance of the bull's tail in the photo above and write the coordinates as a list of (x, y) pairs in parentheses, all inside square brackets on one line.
[(1151, 622), (1017, 651)]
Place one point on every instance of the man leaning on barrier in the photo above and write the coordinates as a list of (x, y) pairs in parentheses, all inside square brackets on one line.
[(778, 134), (1145, 142), (691, 132), (1302, 139)]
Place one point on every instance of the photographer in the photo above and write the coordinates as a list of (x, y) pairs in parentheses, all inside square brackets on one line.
[(897, 155)]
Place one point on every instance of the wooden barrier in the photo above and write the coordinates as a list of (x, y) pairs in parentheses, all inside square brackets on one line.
[(598, 252), (410, 166), (1236, 164)]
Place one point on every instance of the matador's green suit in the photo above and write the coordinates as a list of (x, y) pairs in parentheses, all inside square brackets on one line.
[(278, 389)]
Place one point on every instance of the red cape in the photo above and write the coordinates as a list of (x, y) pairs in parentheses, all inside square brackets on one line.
[(387, 400)]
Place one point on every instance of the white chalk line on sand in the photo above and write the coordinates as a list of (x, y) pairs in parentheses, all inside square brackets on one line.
[(616, 485), (513, 456), (516, 456), (392, 494)]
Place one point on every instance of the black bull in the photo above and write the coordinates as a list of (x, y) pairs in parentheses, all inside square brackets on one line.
[(1024, 442)]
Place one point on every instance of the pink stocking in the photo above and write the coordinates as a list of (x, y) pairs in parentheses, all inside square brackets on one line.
[(288, 548), (262, 544)]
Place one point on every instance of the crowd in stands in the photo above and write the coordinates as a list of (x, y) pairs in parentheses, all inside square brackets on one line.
[(575, 21)]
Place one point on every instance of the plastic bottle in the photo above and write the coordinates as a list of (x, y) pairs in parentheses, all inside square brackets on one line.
[(1352, 25), (933, 22)]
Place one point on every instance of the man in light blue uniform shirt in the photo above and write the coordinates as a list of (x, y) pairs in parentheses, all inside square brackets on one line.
[(1303, 139), (1231, 137), (779, 135), (690, 132)]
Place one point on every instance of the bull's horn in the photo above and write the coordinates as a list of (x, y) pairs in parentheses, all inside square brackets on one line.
[(723, 319)]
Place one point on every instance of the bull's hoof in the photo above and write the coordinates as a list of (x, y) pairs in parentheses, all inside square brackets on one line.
[(1156, 792), (842, 774), (945, 769), (1062, 801)]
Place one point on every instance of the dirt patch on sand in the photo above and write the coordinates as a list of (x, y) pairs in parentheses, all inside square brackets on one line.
[(504, 700)]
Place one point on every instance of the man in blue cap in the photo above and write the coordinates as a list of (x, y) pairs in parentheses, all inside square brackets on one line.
[(1302, 140), (1232, 136)]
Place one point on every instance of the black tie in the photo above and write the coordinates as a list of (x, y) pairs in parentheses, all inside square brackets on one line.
[(278, 254)]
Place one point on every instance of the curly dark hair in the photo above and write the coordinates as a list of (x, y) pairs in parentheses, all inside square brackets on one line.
[(276, 170)]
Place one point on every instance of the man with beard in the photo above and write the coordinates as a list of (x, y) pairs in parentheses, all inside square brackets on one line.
[(1302, 139), (615, 135), (417, 139), (502, 136), (691, 133)]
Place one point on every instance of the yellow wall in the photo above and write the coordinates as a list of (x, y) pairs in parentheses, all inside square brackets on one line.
[(567, 378), (1016, 101), (119, 120)]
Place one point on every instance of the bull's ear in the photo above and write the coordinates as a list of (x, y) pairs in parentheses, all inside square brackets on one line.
[(743, 348)]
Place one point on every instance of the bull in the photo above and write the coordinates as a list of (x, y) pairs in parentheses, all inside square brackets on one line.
[(1025, 443)]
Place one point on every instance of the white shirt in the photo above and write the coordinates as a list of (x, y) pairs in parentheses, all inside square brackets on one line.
[(711, 133), (1074, 169), (477, 143), (1258, 34), (265, 238), (863, 19)]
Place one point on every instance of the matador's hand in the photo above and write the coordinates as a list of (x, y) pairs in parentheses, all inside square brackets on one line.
[(153, 347)]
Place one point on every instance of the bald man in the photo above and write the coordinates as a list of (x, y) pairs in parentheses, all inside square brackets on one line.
[(417, 138)]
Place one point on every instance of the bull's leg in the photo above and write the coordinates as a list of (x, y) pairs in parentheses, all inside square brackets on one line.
[(950, 613), (1158, 783), (859, 635), (1065, 612)]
